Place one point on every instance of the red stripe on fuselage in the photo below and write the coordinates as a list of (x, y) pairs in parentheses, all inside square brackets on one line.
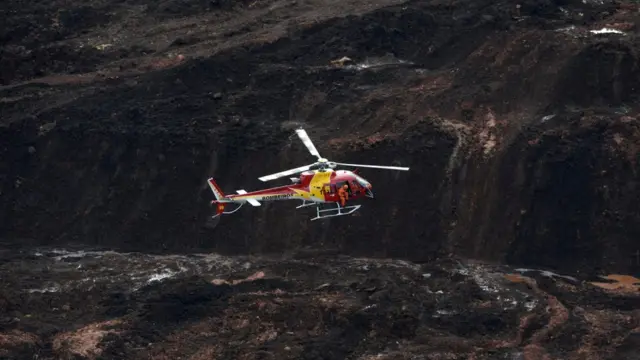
[(272, 191)]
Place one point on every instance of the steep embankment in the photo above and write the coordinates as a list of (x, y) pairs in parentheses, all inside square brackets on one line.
[(518, 123)]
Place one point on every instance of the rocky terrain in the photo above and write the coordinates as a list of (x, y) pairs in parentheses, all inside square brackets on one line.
[(519, 121), (110, 305)]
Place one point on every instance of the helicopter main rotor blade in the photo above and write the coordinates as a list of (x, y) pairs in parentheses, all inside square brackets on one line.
[(376, 166), (308, 143), (285, 173)]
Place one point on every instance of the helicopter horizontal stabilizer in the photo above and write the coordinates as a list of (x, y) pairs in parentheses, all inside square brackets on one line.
[(250, 201)]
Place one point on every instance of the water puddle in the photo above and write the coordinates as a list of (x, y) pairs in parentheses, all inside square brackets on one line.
[(582, 32), (547, 273), (607, 31), (368, 63), (376, 63)]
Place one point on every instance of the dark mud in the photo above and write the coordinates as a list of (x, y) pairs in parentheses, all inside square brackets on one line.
[(95, 304)]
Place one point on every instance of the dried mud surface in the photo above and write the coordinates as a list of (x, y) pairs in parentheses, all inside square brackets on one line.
[(71, 304)]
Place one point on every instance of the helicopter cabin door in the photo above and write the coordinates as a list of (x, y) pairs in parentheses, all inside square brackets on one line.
[(317, 184), (328, 191)]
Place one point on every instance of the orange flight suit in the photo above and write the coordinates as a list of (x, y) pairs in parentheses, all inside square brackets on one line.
[(343, 195)]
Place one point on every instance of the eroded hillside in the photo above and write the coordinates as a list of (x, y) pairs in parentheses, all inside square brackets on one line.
[(519, 124)]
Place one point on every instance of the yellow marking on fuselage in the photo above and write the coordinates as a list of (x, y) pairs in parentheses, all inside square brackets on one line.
[(302, 193), (318, 181)]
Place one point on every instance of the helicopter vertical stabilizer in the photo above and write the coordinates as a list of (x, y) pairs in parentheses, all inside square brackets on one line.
[(216, 189)]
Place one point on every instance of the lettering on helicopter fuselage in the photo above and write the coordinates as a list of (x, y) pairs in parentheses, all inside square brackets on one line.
[(276, 197)]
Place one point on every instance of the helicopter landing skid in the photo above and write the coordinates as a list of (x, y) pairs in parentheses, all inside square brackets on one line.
[(338, 211), (306, 203)]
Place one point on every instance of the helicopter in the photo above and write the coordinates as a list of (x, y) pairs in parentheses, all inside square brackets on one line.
[(317, 185)]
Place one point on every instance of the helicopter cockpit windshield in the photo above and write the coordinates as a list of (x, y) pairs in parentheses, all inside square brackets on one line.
[(365, 184)]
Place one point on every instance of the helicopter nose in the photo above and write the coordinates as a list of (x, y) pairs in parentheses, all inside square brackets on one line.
[(369, 193)]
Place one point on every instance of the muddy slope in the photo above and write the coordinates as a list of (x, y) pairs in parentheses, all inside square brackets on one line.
[(519, 125)]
